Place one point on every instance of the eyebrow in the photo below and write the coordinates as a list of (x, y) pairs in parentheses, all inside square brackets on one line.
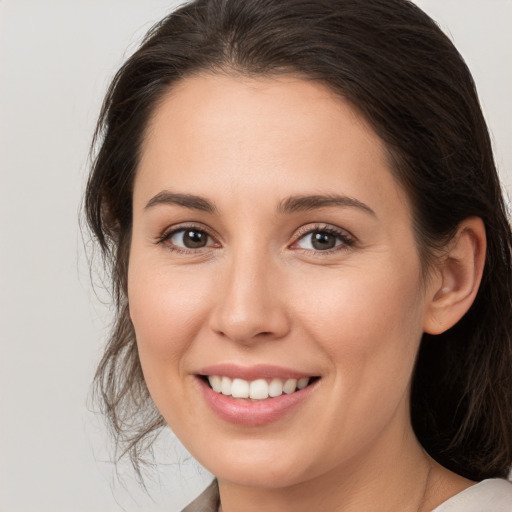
[(291, 204), (304, 203), (187, 200)]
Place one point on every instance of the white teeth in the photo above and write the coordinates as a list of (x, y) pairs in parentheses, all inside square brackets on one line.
[(259, 389), (275, 388), (302, 383), (290, 386), (240, 389), (226, 386), (216, 383)]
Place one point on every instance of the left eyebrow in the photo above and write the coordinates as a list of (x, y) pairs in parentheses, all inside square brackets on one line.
[(295, 204)]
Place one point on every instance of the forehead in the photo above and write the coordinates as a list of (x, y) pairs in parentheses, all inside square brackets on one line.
[(252, 111), (287, 133)]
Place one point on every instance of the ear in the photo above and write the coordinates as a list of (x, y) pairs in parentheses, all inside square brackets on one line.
[(457, 277)]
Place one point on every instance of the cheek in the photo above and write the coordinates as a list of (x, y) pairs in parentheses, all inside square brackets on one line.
[(167, 309), (369, 326), (368, 321)]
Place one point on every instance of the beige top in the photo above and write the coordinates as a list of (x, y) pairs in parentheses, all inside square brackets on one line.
[(493, 495)]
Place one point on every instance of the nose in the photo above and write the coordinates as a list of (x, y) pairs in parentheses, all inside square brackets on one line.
[(250, 306)]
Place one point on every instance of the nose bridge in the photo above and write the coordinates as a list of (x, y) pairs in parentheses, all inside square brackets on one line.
[(249, 304)]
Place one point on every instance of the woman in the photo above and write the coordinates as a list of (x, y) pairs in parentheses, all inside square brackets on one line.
[(311, 259)]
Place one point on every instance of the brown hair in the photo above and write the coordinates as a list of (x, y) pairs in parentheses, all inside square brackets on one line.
[(394, 64)]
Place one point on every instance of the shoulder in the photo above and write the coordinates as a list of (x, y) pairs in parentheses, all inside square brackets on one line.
[(207, 501), (493, 495)]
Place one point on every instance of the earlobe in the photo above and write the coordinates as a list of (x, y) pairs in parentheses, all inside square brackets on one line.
[(459, 273)]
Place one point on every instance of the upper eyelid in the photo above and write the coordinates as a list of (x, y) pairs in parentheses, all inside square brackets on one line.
[(309, 228), (170, 230)]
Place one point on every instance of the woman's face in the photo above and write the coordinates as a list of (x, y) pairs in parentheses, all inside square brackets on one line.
[(272, 244)]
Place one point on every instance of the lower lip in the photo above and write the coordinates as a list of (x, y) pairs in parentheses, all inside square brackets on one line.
[(253, 413)]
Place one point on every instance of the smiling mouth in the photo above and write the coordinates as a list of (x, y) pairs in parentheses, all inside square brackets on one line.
[(259, 389)]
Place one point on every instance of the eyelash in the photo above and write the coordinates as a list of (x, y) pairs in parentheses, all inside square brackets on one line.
[(167, 235), (346, 239)]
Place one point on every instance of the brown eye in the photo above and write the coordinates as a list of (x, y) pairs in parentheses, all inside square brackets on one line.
[(324, 239), (189, 238)]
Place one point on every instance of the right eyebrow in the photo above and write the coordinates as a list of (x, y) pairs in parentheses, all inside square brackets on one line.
[(187, 200)]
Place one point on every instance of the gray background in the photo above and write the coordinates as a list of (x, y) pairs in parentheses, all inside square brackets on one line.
[(56, 59)]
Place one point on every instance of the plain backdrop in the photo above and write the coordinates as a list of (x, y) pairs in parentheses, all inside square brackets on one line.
[(56, 59)]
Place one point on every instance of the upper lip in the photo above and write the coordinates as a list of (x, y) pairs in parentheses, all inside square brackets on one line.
[(250, 373)]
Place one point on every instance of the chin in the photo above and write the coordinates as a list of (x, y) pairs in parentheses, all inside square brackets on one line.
[(268, 477), (257, 463)]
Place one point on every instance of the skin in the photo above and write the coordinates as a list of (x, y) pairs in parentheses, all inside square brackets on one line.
[(259, 292)]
